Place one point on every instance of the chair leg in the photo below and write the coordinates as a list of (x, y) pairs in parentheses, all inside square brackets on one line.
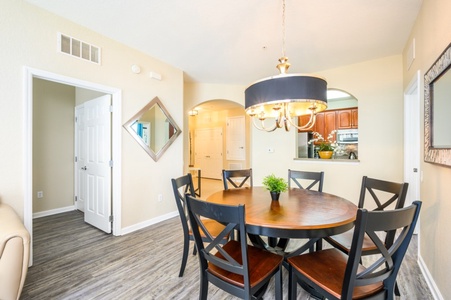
[(203, 286), (397, 293), (194, 250), (184, 256), (278, 283), (292, 284)]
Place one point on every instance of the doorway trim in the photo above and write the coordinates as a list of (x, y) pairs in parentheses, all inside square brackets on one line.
[(116, 94), (412, 150)]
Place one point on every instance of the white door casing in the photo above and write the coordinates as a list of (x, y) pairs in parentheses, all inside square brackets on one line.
[(208, 152), (29, 74), (80, 158), (412, 172), (236, 138), (97, 144)]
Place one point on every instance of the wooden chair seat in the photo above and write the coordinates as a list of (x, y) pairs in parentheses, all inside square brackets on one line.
[(327, 268), (343, 242), (261, 264), (214, 228)]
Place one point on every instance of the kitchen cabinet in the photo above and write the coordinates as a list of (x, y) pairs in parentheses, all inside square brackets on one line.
[(330, 123), (347, 118), (302, 120), (330, 120), (324, 124)]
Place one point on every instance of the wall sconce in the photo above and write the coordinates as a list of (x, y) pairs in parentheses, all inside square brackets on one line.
[(193, 112)]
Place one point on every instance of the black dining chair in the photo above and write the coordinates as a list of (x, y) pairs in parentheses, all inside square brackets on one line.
[(236, 267), (335, 275), (181, 186), (237, 178), (385, 194), (306, 180)]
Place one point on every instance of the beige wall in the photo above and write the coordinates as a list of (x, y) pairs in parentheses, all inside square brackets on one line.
[(29, 38), (53, 145), (432, 34)]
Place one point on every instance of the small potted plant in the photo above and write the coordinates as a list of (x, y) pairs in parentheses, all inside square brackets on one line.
[(325, 147), (275, 185)]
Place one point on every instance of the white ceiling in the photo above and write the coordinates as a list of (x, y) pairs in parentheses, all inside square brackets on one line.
[(240, 41)]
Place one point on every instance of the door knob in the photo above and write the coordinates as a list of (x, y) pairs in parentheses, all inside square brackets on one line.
[(84, 168)]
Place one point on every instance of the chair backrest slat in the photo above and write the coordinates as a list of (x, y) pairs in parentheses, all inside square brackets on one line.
[(377, 188), (237, 178), (312, 178), (384, 194), (181, 186)]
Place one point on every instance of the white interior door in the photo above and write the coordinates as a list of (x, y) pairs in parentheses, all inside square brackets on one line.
[(94, 169), (208, 152), (412, 172), (235, 138)]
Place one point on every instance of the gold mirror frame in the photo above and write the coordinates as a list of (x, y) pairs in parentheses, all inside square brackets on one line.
[(440, 67), (154, 152)]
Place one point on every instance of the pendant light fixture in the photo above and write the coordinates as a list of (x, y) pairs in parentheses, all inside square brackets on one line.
[(285, 96)]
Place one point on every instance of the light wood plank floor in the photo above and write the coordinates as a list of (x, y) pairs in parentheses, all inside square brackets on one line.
[(73, 260)]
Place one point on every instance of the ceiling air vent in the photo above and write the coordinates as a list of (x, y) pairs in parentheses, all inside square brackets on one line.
[(77, 48)]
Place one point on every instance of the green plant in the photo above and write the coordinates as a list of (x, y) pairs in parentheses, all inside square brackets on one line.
[(323, 144), (275, 184)]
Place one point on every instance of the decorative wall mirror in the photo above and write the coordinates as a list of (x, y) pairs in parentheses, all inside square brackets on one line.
[(437, 109), (153, 128)]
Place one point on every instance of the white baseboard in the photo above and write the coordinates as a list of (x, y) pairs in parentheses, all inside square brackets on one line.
[(147, 223), (429, 280), (53, 211)]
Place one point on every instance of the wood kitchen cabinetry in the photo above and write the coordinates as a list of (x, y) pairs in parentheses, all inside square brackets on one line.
[(330, 120), (347, 118)]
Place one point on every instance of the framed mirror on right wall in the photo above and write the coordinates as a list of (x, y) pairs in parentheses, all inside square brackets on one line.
[(437, 110)]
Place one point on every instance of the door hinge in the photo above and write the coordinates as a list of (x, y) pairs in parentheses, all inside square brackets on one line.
[(111, 108), (76, 119), (76, 159), (111, 219), (111, 163), (76, 198)]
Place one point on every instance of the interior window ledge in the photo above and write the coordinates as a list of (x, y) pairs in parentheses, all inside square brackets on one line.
[(333, 160)]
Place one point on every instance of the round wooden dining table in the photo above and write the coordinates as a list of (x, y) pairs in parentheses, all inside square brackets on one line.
[(298, 213)]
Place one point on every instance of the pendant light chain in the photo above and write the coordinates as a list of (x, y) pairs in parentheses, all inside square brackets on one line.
[(283, 28)]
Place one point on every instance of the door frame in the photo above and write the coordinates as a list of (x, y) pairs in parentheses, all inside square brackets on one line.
[(116, 141), (412, 153)]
